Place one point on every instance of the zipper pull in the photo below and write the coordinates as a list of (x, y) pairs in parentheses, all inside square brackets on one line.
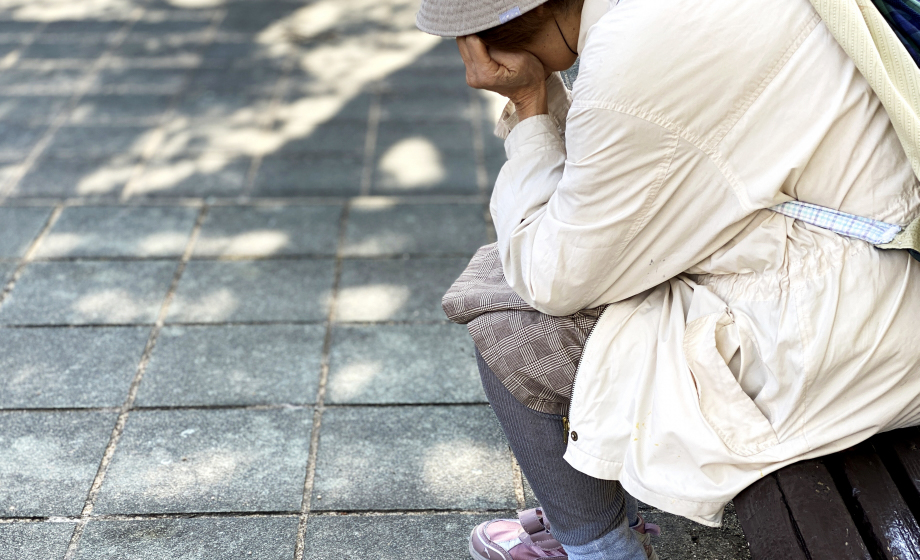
[(565, 427)]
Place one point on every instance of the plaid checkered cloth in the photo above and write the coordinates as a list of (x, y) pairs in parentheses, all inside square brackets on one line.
[(873, 231), (534, 355), (904, 18)]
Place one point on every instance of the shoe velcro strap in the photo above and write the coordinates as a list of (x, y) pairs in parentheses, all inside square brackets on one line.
[(531, 520), (642, 527), (542, 539)]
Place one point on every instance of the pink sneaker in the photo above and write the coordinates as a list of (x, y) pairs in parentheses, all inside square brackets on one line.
[(529, 538), (525, 538), (644, 532)]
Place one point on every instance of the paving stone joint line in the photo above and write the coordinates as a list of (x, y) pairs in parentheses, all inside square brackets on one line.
[(196, 50), (310, 478), (126, 407)]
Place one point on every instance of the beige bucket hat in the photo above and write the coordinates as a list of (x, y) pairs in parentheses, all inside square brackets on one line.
[(455, 18)]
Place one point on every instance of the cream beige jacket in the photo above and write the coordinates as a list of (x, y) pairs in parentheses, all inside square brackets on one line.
[(739, 340)]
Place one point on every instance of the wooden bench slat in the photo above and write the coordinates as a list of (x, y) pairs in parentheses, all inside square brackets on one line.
[(822, 518), (906, 447), (766, 522), (884, 510)]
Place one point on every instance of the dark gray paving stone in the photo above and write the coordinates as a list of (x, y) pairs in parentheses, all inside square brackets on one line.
[(60, 49), (682, 538), (425, 108), (175, 59), (34, 541), (221, 106), (262, 231), (98, 141), (8, 169), (86, 27), (415, 537), (260, 78), (163, 81), (382, 228), (34, 109), (445, 137), (443, 54), (422, 79), (18, 139), (396, 289), (48, 460), (249, 17), (14, 30), (416, 167), (193, 174), (286, 175), (18, 227), (339, 136), (138, 48), (68, 368), (288, 290), (63, 177), (88, 293), (41, 81), (394, 364), (263, 538), (209, 460), (234, 365), (304, 94), (6, 272), (222, 54), (120, 109), (112, 231), (161, 27), (447, 457)]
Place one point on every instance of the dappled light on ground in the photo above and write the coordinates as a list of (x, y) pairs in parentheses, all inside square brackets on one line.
[(412, 163), (363, 41), (353, 379), (377, 302), (259, 242), (162, 176), (241, 94), (217, 305), (196, 4), (53, 10), (106, 179), (43, 451), (461, 463), (110, 306), (170, 476)]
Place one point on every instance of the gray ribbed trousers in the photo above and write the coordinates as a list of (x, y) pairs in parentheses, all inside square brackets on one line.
[(585, 512)]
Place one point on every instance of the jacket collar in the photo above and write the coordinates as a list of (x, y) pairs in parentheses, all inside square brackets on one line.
[(591, 13)]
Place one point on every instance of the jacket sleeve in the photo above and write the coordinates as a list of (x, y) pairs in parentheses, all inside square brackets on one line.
[(617, 208)]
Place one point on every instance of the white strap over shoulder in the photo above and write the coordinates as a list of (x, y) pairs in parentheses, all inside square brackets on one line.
[(879, 55), (891, 72)]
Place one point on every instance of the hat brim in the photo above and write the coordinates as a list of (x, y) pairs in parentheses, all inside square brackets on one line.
[(456, 18)]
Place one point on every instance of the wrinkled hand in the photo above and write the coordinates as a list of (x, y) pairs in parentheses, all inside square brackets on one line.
[(518, 75)]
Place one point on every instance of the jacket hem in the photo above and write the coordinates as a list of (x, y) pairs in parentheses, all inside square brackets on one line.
[(704, 513)]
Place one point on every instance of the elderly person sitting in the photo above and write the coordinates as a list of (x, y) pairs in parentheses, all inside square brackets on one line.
[(726, 339)]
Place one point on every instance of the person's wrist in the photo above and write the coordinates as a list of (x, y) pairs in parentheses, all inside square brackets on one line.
[(532, 103)]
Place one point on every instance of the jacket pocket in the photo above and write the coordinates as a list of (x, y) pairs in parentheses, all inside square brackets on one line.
[(711, 343)]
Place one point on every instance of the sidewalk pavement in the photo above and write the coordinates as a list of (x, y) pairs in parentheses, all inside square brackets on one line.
[(225, 228)]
